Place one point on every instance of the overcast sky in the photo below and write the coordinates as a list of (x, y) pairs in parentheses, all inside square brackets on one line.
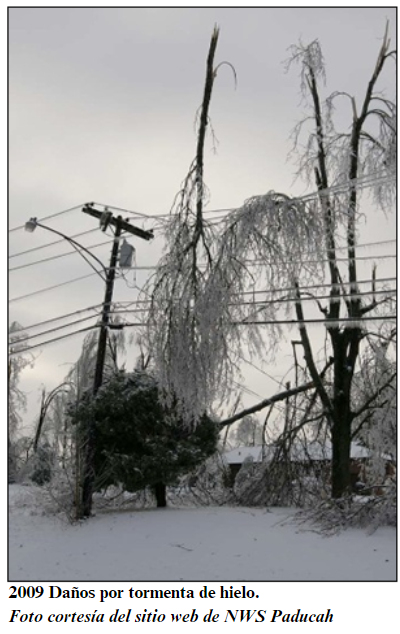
[(102, 106)]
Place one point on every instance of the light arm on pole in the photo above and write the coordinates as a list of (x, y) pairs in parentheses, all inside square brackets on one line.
[(31, 225)]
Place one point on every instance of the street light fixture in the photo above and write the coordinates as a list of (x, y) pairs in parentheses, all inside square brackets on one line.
[(31, 225)]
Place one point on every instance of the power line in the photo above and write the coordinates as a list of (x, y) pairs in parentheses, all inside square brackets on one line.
[(368, 244), (46, 332), (56, 257), (58, 213), (322, 260), (141, 310), (281, 300), (47, 321), (291, 322), (149, 268), (311, 286), (50, 288), (130, 311), (365, 180), (70, 334), (284, 300), (164, 215), (243, 323), (390, 293), (288, 299), (368, 180), (331, 323), (50, 244), (76, 279), (318, 286), (361, 182), (45, 343), (269, 376), (77, 235), (134, 214), (246, 389), (154, 267)]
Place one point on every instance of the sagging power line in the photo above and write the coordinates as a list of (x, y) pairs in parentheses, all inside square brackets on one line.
[(118, 312), (351, 323), (153, 267), (362, 182)]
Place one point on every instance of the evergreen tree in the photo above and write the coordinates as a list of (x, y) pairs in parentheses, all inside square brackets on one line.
[(139, 443)]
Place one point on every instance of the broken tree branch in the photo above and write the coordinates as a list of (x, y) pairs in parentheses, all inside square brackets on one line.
[(274, 399)]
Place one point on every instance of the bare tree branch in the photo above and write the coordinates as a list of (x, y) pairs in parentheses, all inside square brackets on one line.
[(281, 396)]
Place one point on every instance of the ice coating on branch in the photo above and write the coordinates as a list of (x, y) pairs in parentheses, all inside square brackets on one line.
[(374, 124), (196, 333), (310, 59), (197, 303)]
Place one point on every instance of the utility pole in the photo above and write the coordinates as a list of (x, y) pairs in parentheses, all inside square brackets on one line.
[(106, 218)]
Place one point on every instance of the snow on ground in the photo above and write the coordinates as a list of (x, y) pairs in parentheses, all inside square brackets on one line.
[(191, 544)]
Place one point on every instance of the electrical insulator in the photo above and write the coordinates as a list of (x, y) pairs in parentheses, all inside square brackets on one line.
[(105, 219), (126, 255)]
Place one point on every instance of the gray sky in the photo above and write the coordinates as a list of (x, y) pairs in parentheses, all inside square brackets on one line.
[(102, 108)]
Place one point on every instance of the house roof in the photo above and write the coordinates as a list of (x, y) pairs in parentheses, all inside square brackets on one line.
[(299, 452)]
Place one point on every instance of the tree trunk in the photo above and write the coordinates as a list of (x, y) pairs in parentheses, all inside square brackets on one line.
[(341, 415), (341, 440), (160, 491)]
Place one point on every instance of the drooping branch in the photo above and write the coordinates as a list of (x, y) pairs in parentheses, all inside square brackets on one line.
[(196, 303)]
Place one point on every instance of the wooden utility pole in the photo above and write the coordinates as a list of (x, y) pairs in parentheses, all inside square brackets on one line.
[(106, 218)]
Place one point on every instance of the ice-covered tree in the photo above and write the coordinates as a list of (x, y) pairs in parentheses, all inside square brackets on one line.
[(18, 360), (68, 443), (196, 326), (342, 162), (81, 375), (175, 333), (375, 402), (248, 432)]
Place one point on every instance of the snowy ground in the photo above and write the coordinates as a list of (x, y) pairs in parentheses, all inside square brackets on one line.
[(191, 544)]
